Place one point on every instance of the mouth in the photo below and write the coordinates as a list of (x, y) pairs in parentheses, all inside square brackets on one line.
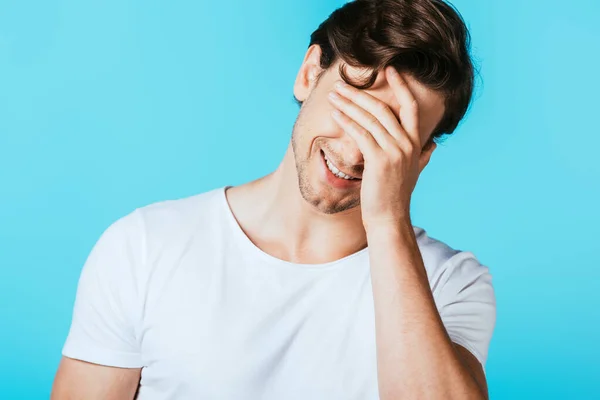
[(334, 175)]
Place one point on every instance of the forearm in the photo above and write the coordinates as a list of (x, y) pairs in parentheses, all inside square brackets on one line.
[(415, 356)]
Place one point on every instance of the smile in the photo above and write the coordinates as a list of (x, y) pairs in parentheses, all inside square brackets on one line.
[(335, 170)]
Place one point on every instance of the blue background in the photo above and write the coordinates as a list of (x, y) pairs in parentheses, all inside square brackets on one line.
[(110, 105)]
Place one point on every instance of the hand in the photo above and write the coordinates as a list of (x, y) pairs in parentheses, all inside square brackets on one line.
[(392, 150)]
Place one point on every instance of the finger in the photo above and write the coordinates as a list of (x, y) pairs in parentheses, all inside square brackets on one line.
[(377, 109), (409, 108), (367, 144), (366, 120)]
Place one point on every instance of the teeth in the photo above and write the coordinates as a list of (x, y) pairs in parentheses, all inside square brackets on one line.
[(333, 168), (336, 171)]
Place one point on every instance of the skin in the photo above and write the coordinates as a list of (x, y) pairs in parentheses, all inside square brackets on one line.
[(294, 214), (82, 380)]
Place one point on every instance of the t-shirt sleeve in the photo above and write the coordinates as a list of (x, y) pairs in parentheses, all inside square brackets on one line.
[(106, 312), (467, 304)]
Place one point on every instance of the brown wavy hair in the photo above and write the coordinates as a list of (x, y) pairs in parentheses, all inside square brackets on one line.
[(427, 39)]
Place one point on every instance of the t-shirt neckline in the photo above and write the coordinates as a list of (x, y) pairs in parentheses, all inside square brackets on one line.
[(241, 239)]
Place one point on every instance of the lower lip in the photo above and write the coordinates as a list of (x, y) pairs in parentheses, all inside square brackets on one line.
[(338, 183)]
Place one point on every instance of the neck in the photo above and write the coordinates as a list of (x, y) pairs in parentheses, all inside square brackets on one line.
[(274, 215)]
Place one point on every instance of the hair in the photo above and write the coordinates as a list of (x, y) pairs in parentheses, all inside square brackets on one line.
[(427, 39)]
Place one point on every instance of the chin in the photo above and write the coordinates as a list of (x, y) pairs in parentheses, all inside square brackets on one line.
[(315, 189), (327, 201)]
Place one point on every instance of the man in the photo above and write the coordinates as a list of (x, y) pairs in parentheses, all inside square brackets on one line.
[(310, 282)]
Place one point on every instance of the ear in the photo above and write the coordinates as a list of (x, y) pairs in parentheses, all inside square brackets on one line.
[(426, 155), (308, 73)]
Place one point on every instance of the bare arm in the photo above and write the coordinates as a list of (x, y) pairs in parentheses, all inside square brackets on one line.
[(416, 356), (81, 380), (425, 364)]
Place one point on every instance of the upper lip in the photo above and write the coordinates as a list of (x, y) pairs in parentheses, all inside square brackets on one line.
[(339, 169)]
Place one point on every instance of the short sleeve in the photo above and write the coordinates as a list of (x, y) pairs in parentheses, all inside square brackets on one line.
[(106, 312), (467, 304)]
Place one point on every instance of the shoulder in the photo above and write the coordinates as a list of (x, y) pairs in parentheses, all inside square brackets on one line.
[(164, 219), (445, 264), (434, 251), (148, 231), (168, 217), (168, 228), (131, 248)]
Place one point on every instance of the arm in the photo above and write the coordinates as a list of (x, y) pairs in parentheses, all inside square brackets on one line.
[(81, 380), (416, 358), (101, 356), (431, 366)]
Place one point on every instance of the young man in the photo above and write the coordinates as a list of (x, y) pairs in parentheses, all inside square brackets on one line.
[(268, 290)]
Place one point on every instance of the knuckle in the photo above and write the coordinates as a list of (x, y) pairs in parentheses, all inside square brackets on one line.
[(396, 156), (361, 131), (373, 121), (381, 107), (410, 146)]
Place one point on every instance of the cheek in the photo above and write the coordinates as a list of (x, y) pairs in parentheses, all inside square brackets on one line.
[(426, 126), (424, 137), (318, 122)]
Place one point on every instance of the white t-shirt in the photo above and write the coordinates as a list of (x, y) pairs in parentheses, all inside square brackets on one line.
[(178, 289)]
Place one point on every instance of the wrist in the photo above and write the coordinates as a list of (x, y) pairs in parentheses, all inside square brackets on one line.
[(389, 228)]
